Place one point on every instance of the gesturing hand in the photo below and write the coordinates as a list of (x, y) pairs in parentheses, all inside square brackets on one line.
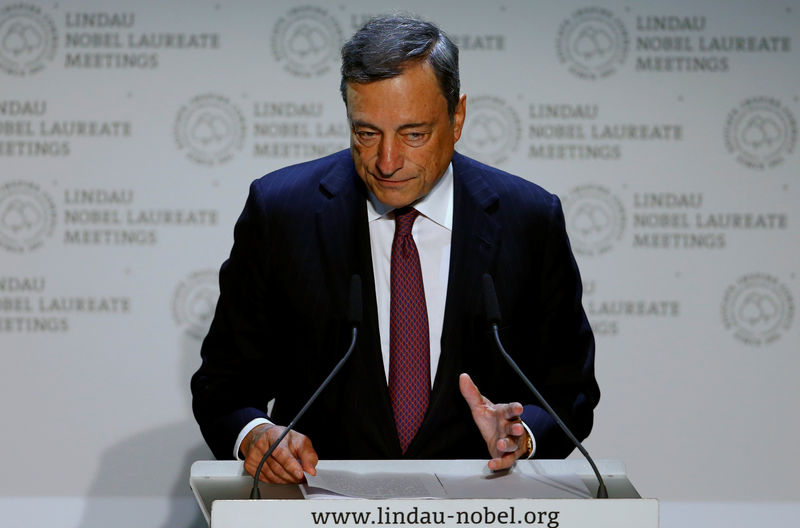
[(498, 423), (291, 458)]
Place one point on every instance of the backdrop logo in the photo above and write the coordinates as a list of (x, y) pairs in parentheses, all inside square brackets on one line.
[(194, 302), (595, 219), (307, 41), (761, 132), (27, 39), (210, 129), (27, 216), (758, 309), (593, 43), (492, 131)]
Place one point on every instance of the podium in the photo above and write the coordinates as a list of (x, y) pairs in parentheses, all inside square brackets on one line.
[(222, 489)]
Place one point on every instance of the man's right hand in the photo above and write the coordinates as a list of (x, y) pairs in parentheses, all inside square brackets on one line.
[(287, 463)]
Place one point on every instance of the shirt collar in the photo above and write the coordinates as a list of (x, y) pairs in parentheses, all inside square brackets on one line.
[(437, 205)]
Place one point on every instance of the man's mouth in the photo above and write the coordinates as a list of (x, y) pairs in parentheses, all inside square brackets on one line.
[(391, 183), (391, 180)]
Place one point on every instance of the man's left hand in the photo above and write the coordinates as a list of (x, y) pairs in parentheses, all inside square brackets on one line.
[(498, 423)]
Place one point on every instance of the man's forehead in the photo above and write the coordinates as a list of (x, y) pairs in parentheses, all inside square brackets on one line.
[(417, 73)]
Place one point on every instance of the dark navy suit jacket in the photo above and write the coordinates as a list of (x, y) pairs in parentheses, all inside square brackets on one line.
[(280, 326)]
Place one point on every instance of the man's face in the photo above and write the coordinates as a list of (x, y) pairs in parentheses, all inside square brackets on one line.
[(401, 136)]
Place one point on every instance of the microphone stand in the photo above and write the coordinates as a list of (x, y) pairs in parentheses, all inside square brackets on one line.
[(493, 315)]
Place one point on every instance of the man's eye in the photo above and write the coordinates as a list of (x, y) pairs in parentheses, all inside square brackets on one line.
[(415, 137), (366, 137)]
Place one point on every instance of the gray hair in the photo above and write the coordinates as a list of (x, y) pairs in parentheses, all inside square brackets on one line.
[(386, 45)]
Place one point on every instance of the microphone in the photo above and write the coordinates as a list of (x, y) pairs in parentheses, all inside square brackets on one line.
[(493, 316), (354, 318)]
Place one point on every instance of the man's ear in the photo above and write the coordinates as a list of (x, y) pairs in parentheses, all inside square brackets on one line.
[(458, 117)]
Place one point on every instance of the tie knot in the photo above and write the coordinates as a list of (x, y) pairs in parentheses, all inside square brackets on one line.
[(404, 220)]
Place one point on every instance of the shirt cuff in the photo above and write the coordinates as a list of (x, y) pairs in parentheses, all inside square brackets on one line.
[(530, 434), (246, 429)]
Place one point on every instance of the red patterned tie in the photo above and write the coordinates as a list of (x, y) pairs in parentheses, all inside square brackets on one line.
[(409, 362)]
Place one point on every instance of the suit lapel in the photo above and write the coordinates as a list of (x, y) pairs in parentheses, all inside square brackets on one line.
[(475, 242), (337, 219)]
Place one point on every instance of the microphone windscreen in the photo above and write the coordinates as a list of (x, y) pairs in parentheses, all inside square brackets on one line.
[(490, 300), (355, 312)]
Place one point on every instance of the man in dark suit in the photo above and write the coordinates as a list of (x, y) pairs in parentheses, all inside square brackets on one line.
[(305, 230)]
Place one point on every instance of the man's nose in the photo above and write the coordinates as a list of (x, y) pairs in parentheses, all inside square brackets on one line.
[(390, 156)]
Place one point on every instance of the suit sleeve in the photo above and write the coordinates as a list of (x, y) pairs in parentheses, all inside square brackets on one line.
[(563, 345), (228, 389)]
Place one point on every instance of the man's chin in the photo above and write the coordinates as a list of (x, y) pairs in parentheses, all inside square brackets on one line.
[(396, 204), (394, 198)]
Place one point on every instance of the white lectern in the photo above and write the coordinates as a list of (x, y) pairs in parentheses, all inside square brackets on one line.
[(222, 488)]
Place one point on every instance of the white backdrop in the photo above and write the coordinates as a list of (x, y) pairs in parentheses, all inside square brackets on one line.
[(129, 133)]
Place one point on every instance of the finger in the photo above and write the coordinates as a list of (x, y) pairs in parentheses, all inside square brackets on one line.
[(270, 472), (502, 462), (515, 428), (266, 475), (250, 467), (310, 468), (507, 445), (281, 467), (306, 454), (509, 411), (289, 468), (470, 391), (281, 474), (253, 458)]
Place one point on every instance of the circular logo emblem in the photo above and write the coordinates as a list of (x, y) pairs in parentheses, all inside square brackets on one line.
[(307, 41), (758, 309), (194, 302), (27, 39), (761, 132), (492, 130), (595, 219), (592, 42), (210, 129), (27, 216)]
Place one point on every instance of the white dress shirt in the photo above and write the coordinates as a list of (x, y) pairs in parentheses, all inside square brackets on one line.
[(432, 232)]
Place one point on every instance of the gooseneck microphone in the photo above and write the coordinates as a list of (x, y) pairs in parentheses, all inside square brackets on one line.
[(354, 317), (493, 316)]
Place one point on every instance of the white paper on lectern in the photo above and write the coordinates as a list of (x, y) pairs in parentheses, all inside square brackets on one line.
[(346, 484), (514, 485), (395, 485)]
